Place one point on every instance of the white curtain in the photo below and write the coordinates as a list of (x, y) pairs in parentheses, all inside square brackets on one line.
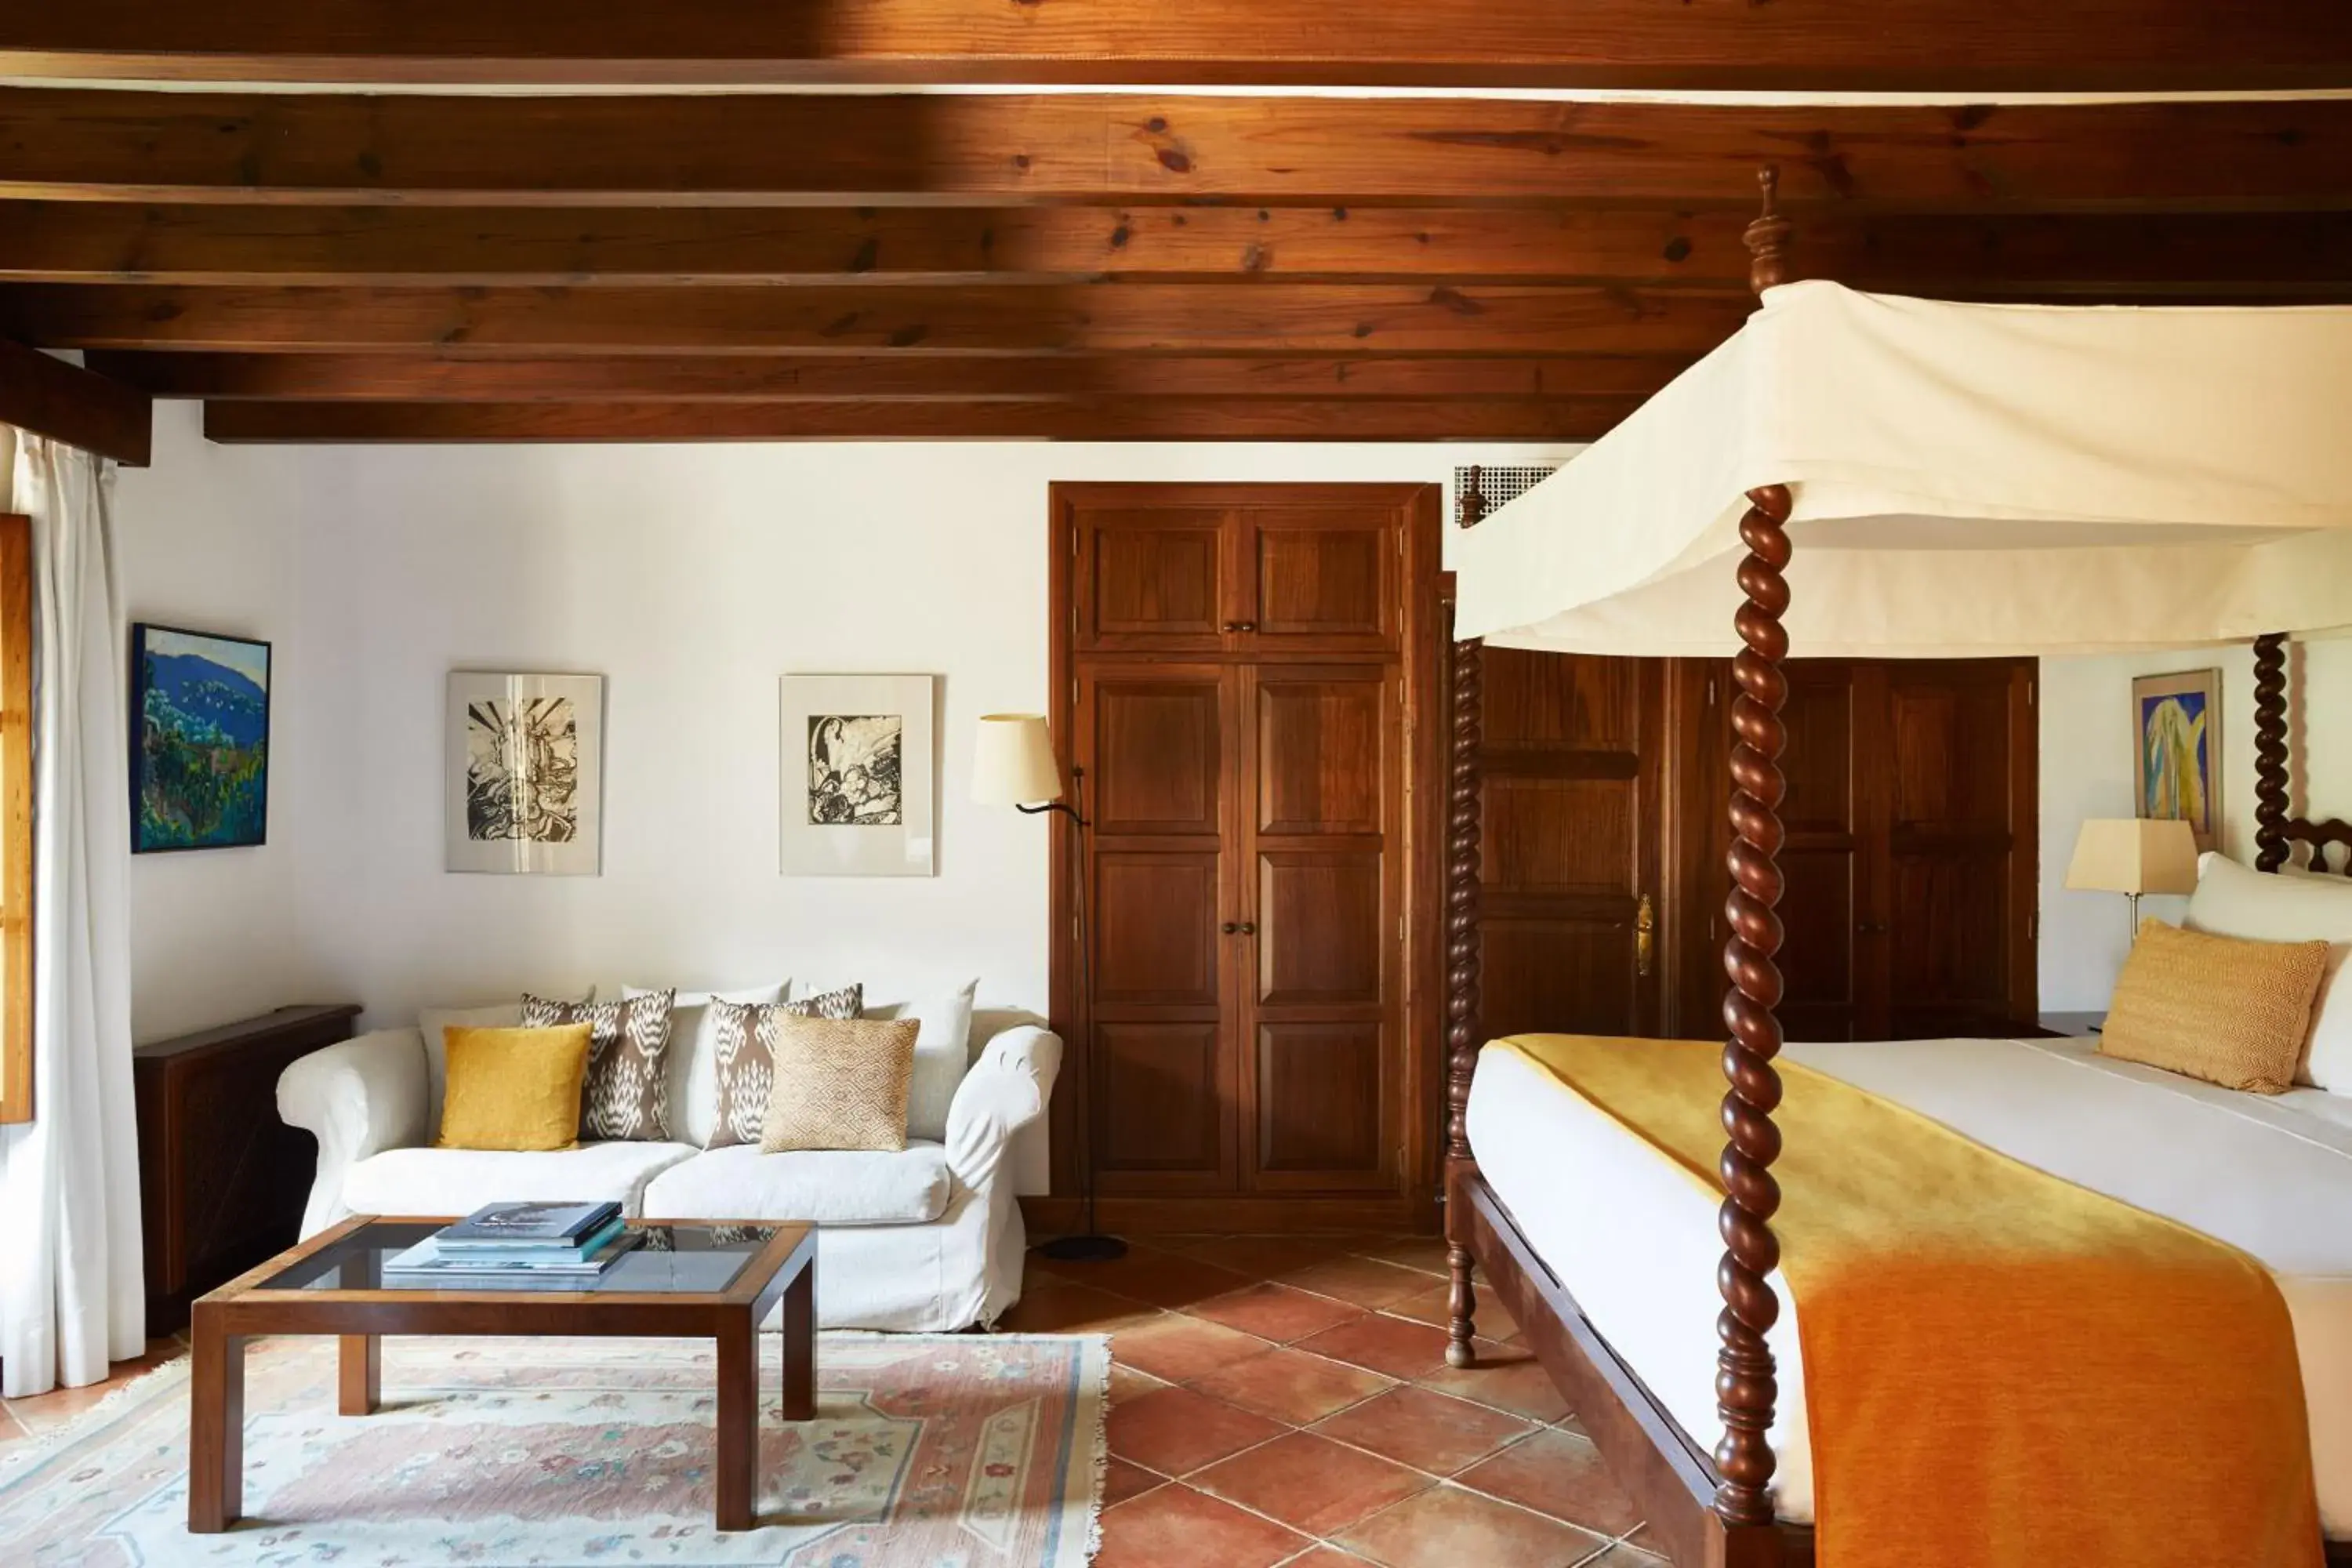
[(72, 1294)]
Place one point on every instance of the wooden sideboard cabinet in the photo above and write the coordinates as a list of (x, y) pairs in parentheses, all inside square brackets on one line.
[(222, 1181)]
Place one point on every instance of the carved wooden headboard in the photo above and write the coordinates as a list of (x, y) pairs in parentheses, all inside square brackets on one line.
[(2277, 833)]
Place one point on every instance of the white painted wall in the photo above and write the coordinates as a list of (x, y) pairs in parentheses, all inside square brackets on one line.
[(691, 578), (2086, 771)]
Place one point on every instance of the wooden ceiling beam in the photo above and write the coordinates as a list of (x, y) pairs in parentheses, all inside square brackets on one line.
[(2118, 256), (80, 407), (1136, 318), (1894, 44), (1124, 419), (313, 377), (989, 150)]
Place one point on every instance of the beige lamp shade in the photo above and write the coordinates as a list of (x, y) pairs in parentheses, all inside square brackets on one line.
[(2129, 856), (1013, 761)]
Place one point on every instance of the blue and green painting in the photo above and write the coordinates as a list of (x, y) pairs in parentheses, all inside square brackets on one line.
[(200, 734)]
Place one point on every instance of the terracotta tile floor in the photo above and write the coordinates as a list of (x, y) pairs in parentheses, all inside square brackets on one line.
[(1284, 1403)]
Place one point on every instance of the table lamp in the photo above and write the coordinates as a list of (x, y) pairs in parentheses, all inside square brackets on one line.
[(2134, 856)]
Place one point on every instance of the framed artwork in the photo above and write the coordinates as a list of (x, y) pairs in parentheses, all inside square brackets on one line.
[(199, 741), (526, 754), (857, 798), (2176, 771)]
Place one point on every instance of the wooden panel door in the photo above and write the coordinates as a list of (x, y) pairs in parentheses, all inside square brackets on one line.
[(1156, 579), (1834, 975), (1323, 925), (1911, 854), (1569, 886), (1320, 580), (1160, 754), (1961, 859), (1250, 672)]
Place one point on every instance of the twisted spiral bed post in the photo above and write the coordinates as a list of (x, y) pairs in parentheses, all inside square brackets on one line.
[(1744, 1388), (1461, 976), (2271, 803)]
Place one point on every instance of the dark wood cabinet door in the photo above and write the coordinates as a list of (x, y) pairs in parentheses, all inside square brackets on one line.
[(1569, 884), (1834, 975), (1911, 855), (1961, 856), (1321, 580), (1249, 671), (1322, 925), (1153, 579), (1160, 756)]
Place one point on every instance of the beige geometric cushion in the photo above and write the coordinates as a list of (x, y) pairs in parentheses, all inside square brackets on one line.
[(2229, 1011), (841, 1083), (742, 1034)]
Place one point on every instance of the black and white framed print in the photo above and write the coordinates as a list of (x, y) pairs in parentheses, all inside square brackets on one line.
[(857, 753), (526, 773)]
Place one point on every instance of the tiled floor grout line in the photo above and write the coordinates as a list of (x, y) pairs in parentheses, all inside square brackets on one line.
[(1529, 1425)]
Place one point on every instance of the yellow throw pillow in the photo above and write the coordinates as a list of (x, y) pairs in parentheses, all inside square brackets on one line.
[(513, 1089), (2221, 1008), (841, 1083)]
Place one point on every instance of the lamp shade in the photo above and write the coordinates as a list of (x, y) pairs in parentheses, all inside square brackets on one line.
[(2135, 856), (1013, 761)]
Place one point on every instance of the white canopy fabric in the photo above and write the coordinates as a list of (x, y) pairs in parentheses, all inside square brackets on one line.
[(1965, 480)]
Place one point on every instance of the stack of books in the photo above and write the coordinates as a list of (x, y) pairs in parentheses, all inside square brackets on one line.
[(512, 1246)]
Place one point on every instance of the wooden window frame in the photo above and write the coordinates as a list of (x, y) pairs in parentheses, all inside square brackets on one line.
[(17, 818)]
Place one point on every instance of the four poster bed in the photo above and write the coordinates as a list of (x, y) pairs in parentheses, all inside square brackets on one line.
[(1962, 480)]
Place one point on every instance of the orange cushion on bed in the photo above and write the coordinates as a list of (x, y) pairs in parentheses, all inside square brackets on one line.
[(2221, 1008)]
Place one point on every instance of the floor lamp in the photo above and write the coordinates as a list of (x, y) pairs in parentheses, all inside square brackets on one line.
[(1013, 764)]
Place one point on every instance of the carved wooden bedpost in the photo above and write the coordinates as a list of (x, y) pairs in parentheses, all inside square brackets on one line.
[(1745, 1389), (1461, 980), (2271, 802)]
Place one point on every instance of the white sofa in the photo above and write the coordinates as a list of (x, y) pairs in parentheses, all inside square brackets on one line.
[(929, 1239)]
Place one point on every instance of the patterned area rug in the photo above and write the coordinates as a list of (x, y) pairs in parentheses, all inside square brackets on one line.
[(943, 1451)]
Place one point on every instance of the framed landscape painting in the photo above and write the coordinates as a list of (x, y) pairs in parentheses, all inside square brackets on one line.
[(857, 775), (2177, 773), (199, 741), (526, 790)]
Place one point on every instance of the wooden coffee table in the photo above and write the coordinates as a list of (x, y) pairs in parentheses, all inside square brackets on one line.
[(714, 1281)]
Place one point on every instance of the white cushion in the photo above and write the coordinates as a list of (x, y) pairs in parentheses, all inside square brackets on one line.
[(430, 1022), (692, 1066), (459, 1181), (2233, 901), (942, 1055), (826, 1186)]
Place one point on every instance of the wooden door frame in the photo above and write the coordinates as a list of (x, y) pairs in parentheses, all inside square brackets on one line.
[(1415, 1204)]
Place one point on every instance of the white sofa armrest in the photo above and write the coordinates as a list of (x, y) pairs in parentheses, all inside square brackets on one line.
[(1004, 1095), (358, 1097)]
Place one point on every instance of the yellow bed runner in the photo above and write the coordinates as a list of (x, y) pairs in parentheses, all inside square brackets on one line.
[(2002, 1368)]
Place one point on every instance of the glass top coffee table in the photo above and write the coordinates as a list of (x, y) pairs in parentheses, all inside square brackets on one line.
[(710, 1280)]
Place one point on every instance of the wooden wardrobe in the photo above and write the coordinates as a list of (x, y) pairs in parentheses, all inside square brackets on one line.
[(1246, 675), (1911, 856)]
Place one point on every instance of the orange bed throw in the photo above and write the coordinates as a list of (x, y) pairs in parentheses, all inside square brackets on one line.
[(2002, 1368)]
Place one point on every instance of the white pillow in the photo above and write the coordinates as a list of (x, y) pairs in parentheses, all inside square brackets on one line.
[(2264, 906), (692, 1066), (942, 1052), (431, 1021)]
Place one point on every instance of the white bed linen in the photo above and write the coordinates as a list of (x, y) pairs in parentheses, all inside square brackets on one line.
[(1633, 1238)]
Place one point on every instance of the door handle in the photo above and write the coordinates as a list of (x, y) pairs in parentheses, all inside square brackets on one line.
[(1246, 928), (1645, 937), (1241, 625), (1230, 928)]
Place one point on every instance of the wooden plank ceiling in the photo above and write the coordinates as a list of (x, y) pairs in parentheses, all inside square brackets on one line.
[(345, 264)]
